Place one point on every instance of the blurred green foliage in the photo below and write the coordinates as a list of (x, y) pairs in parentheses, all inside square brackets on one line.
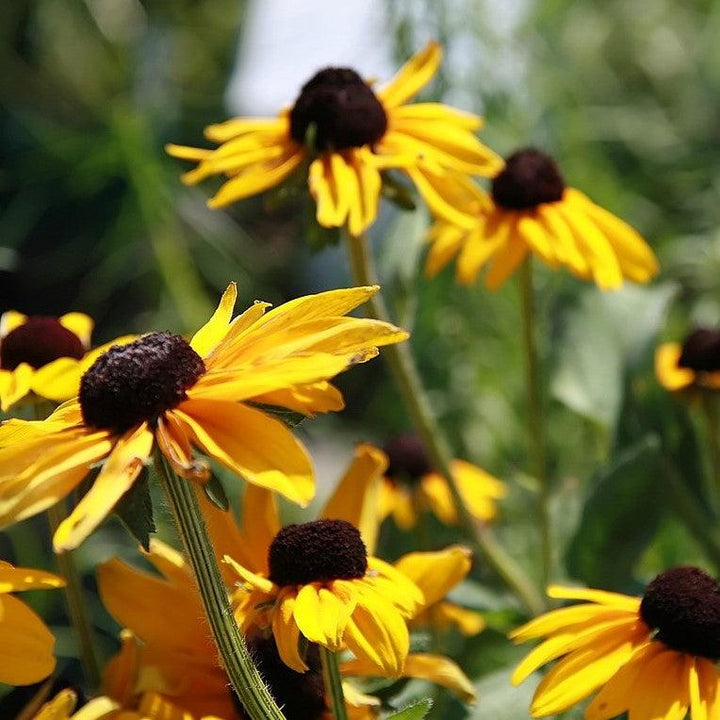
[(624, 94)]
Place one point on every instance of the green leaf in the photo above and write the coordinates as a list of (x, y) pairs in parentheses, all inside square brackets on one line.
[(498, 699), (215, 493), (416, 711), (620, 518), (602, 337), (135, 510)]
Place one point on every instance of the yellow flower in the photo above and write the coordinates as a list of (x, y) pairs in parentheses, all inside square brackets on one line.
[(694, 364), (27, 645), (161, 390), (45, 356), (652, 657), (316, 579), (532, 211), (411, 485), (349, 134), (175, 657)]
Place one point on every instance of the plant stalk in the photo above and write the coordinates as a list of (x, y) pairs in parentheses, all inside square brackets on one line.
[(407, 379), (535, 418), (332, 680), (244, 677), (75, 601)]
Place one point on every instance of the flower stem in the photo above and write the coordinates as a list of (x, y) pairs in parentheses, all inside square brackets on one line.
[(535, 417), (407, 379), (75, 600), (243, 675), (333, 683), (712, 433)]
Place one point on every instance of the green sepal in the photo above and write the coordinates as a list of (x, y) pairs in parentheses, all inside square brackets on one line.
[(416, 711), (215, 493), (135, 510)]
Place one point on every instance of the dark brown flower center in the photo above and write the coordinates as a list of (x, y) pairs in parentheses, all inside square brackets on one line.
[(300, 695), (341, 109), (530, 178), (701, 350), (139, 381), (317, 551), (37, 342), (683, 606), (408, 460)]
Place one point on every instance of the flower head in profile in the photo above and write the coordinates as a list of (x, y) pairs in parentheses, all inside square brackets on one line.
[(348, 133), (693, 364), (162, 391), (27, 644), (44, 356), (652, 657), (532, 211), (411, 485)]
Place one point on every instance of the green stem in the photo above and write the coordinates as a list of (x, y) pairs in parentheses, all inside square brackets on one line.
[(74, 598), (407, 379), (333, 683), (243, 675), (712, 432), (535, 417)]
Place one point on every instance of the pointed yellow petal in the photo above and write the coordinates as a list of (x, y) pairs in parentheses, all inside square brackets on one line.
[(506, 259), (122, 467), (412, 77), (260, 449), (287, 632), (357, 495), (210, 334), (603, 597)]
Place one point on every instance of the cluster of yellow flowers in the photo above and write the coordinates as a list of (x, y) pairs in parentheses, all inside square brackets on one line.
[(304, 594)]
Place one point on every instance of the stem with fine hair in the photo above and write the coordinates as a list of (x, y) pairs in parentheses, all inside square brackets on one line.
[(712, 433), (332, 680), (243, 675), (407, 379), (75, 601), (535, 416)]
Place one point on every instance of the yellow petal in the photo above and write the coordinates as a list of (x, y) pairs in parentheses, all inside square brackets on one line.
[(478, 488), (310, 399), (247, 576), (322, 615), (437, 494), (436, 573), (175, 447), (506, 260), (15, 579), (433, 111), (122, 467), (669, 374), (58, 380), (442, 671), (447, 614), (286, 631), (260, 449), (121, 671), (210, 334), (357, 495), (15, 385), (26, 650), (437, 191), (480, 245), (446, 240), (261, 523), (412, 76), (603, 597), (59, 708), (79, 324)]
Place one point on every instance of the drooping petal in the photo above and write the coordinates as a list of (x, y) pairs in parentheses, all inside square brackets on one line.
[(16, 579), (286, 631), (120, 471), (319, 397), (506, 259), (260, 449), (175, 447), (437, 495), (322, 614)]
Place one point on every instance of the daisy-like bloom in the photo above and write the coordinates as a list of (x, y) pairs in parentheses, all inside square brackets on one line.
[(531, 210), (349, 133), (161, 390), (411, 486), (44, 356), (652, 657), (26, 645), (694, 364)]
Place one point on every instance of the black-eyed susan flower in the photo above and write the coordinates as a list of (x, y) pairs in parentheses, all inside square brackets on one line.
[(412, 486), (43, 356), (693, 364), (349, 133), (652, 657), (532, 211), (163, 391), (26, 645)]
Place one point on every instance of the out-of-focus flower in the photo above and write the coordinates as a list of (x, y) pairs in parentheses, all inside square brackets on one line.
[(349, 133), (163, 390), (652, 657), (531, 210), (27, 645), (44, 356), (694, 364), (411, 485)]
